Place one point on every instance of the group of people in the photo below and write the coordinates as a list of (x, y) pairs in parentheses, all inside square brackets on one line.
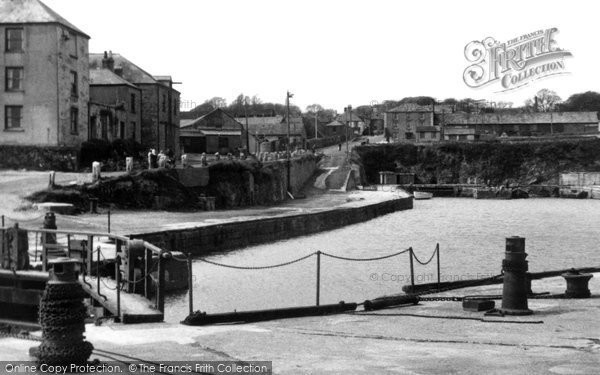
[(160, 160)]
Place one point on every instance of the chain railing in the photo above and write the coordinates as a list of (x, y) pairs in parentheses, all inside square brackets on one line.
[(318, 254)]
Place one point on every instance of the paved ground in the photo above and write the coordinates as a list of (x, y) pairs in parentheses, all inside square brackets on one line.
[(430, 338)]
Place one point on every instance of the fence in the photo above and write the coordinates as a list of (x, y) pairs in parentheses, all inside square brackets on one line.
[(51, 243), (319, 254)]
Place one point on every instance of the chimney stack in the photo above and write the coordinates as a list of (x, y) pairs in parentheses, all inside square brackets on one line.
[(108, 62)]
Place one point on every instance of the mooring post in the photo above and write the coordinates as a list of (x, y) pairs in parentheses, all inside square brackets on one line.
[(514, 268), (190, 283), (147, 268), (318, 276), (160, 289), (437, 250), (412, 269), (109, 220), (118, 281)]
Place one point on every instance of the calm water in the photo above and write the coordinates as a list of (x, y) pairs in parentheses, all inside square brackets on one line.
[(559, 234)]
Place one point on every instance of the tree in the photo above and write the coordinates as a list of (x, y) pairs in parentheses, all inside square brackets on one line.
[(217, 102), (314, 108), (586, 101), (547, 100)]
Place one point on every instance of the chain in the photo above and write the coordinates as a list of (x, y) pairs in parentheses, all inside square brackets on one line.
[(365, 259), (445, 299), (424, 263), (258, 267)]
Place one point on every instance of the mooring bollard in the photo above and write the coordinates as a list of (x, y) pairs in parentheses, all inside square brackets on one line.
[(129, 164), (577, 284), (62, 317), (94, 205), (95, 171), (51, 180), (515, 289)]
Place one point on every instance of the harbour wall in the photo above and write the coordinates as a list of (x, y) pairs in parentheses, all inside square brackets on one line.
[(223, 237)]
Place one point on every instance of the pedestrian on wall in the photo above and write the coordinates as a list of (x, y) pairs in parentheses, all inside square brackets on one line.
[(339, 147), (203, 159)]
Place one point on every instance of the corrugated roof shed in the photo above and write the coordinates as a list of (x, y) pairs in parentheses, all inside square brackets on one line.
[(32, 11)]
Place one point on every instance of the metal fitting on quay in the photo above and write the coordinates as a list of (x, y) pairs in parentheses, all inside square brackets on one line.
[(516, 281), (577, 284)]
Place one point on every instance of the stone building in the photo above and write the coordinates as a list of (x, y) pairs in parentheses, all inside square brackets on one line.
[(115, 106), (415, 123), (273, 129), (159, 101), (45, 77), (355, 123), (484, 126), (216, 131), (336, 128)]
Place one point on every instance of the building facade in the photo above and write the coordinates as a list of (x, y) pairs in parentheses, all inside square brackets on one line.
[(274, 130), (115, 107), (486, 126), (159, 101), (45, 77), (214, 132)]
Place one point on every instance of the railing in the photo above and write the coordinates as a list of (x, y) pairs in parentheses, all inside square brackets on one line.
[(318, 254), (80, 245)]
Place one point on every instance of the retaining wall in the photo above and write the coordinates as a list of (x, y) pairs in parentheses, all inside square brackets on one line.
[(229, 236)]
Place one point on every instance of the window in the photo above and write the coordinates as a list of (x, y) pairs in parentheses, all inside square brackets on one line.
[(133, 100), (74, 121), (133, 126), (72, 44), (14, 40), (122, 130), (74, 87), (13, 116), (14, 79), (409, 136), (223, 142), (164, 103)]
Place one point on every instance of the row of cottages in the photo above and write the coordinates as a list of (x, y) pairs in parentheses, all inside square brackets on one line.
[(57, 94), (149, 103), (433, 123)]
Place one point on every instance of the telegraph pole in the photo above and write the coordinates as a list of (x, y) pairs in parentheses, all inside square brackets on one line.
[(348, 127), (316, 120), (287, 120), (247, 128)]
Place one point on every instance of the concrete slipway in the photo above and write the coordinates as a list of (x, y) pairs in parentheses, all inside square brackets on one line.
[(562, 337)]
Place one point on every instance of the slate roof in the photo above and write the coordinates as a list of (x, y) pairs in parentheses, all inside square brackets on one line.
[(32, 11), (193, 123), (412, 107), (104, 77), (131, 72), (522, 118), (335, 123), (344, 118), (274, 125)]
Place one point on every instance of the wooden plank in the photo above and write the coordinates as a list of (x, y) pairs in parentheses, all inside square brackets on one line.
[(134, 307)]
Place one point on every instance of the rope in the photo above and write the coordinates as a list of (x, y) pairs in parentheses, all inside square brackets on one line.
[(425, 263), (365, 259), (258, 267), (453, 317)]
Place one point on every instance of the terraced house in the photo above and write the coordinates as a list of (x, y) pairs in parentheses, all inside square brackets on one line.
[(44, 70), (159, 100)]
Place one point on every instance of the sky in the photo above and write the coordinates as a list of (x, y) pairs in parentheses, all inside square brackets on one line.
[(334, 53)]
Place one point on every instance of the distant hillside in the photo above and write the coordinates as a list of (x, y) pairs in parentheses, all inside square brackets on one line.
[(525, 163)]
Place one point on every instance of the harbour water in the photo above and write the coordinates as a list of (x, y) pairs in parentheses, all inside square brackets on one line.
[(559, 234)]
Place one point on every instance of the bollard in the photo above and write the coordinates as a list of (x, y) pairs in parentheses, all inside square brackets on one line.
[(94, 205), (51, 180), (514, 268), (49, 240), (129, 164), (62, 318), (577, 284), (95, 171)]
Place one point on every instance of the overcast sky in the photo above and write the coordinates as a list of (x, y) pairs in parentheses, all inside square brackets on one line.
[(333, 53)]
